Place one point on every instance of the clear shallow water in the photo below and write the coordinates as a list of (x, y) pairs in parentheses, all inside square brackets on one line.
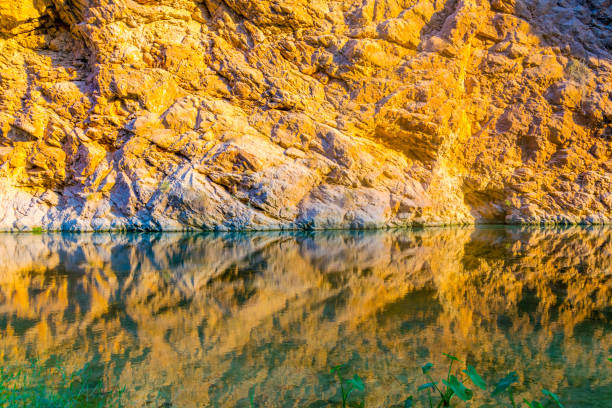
[(197, 320)]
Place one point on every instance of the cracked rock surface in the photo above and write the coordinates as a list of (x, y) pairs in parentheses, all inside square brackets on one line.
[(266, 114)]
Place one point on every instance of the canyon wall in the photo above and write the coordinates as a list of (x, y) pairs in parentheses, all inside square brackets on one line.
[(265, 114)]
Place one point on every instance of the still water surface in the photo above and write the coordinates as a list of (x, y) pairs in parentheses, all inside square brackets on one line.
[(198, 319)]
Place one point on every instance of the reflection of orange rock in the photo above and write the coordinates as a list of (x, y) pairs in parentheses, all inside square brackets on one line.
[(569, 288), (209, 316), (261, 114)]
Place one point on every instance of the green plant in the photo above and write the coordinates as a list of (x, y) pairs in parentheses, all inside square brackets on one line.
[(553, 397), (453, 384), (506, 384), (537, 404), (37, 230), (252, 397), (347, 386), (37, 385), (512, 378)]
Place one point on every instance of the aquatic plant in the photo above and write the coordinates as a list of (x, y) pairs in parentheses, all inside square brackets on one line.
[(505, 385), (454, 386), (252, 397), (347, 386), (37, 385)]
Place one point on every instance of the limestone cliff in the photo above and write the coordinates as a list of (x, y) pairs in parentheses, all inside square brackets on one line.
[(238, 114)]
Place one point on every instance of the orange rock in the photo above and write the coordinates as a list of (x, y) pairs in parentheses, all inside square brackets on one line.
[(451, 96)]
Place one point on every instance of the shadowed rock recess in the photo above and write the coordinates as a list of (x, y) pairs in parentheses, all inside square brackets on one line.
[(265, 114)]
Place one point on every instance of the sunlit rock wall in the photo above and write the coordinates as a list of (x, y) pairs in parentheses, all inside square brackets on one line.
[(245, 114)]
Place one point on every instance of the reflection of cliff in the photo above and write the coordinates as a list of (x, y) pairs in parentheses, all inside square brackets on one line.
[(204, 317), (568, 275)]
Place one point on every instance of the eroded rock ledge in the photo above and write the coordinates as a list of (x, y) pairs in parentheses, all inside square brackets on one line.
[(245, 114)]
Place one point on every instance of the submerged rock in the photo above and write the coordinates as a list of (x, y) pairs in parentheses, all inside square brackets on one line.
[(248, 114)]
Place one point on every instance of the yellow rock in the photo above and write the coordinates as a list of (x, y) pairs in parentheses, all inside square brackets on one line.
[(448, 97), (25, 13)]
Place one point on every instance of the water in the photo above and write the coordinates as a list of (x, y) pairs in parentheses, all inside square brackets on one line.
[(199, 319)]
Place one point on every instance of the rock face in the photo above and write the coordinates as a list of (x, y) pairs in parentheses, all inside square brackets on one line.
[(258, 114)]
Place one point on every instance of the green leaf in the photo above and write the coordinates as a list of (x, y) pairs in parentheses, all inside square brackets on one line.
[(426, 386), (553, 396), (533, 404), (252, 397), (505, 382), (458, 388), (357, 382), (337, 368), (451, 357), (426, 368), (476, 379), (409, 402)]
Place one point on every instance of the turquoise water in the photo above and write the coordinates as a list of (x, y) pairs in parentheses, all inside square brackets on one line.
[(192, 320)]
